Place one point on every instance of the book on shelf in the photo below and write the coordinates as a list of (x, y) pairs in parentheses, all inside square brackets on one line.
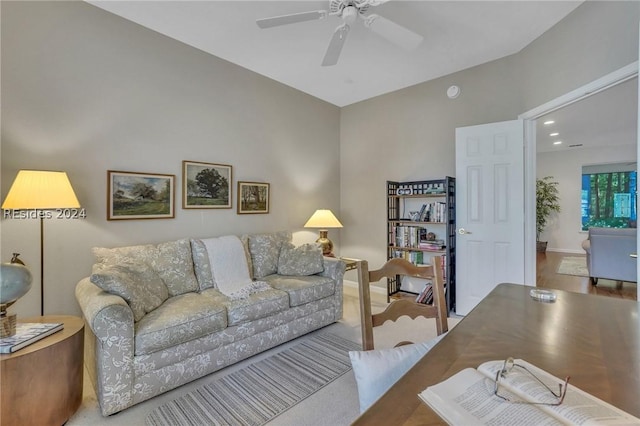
[(26, 334), (426, 295), (468, 397)]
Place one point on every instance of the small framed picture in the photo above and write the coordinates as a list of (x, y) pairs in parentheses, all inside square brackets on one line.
[(253, 197), (133, 195), (206, 185)]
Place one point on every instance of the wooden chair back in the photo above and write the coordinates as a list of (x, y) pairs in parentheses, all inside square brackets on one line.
[(405, 304)]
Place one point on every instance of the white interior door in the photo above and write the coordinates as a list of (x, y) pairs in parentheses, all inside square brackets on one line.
[(489, 210)]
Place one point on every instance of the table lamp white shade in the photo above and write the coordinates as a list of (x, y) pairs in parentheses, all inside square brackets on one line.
[(41, 190), (324, 219)]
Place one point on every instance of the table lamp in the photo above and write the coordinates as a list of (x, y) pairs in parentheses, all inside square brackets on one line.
[(38, 191), (324, 219)]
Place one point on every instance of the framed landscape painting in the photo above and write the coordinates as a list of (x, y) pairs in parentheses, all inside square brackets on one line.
[(253, 197), (206, 185), (132, 195)]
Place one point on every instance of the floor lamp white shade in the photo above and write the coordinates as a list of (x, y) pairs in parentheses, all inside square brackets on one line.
[(40, 190)]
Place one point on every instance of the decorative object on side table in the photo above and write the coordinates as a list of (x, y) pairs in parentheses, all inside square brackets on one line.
[(26, 334), (15, 282), (253, 197), (40, 191), (547, 202), (324, 219)]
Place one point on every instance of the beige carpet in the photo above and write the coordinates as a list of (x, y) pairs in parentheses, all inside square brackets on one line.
[(336, 404), (573, 265)]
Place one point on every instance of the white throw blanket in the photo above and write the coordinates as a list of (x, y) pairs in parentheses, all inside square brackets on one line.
[(230, 269)]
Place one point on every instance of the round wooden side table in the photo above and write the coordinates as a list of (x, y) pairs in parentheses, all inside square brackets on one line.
[(41, 384)]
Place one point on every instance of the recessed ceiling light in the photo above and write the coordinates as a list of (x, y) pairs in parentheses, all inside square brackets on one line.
[(546, 123), (554, 134), (557, 143)]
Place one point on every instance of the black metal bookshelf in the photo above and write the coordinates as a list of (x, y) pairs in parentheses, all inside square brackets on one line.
[(415, 209)]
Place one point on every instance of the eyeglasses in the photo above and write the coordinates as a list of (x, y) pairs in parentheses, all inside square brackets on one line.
[(509, 365)]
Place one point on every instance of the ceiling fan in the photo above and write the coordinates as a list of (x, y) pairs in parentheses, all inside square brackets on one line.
[(349, 11)]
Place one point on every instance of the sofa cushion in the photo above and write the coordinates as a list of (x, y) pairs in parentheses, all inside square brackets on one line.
[(172, 261), (253, 307), (136, 282), (302, 260), (174, 264), (265, 252), (201, 265), (303, 290), (180, 319)]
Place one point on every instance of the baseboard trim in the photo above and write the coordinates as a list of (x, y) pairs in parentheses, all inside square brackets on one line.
[(374, 288), (561, 250)]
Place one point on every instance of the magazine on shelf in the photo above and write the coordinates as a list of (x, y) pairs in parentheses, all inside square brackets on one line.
[(26, 334), (468, 398)]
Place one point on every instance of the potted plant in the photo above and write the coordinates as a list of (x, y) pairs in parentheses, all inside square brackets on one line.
[(547, 202)]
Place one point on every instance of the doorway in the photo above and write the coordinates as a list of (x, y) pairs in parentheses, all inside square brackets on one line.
[(530, 117)]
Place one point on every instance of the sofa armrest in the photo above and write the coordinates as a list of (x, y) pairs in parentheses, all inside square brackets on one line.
[(111, 320), (333, 268)]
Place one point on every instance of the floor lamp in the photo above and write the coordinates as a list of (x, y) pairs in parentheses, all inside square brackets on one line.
[(36, 191)]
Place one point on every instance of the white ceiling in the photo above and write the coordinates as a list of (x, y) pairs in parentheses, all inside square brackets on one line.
[(457, 35), (608, 118)]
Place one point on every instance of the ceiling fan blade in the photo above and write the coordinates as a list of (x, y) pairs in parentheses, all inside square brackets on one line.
[(335, 45), (376, 2), (291, 19), (397, 34)]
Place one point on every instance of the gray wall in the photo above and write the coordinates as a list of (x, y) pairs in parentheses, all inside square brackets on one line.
[(409, 134), (85, 92)]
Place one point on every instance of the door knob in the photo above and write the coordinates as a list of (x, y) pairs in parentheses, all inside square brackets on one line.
[(462, 231)]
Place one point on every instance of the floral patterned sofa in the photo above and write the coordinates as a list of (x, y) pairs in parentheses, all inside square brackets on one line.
[(159, 316)]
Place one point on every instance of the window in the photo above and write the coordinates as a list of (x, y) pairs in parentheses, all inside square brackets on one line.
[(609, 196)]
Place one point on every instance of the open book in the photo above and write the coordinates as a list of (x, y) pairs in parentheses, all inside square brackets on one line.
[(467, 398)]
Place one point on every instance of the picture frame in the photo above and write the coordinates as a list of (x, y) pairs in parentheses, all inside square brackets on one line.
[(253, 197), (206, 185), (136, 195)]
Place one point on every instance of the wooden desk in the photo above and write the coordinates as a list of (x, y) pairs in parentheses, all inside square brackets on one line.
[(41, 384), (593, 339)]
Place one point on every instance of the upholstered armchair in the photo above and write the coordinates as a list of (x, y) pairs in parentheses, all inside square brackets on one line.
[(611, 254)]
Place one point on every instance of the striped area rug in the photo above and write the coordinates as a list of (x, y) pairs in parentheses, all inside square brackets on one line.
[(263, 390)]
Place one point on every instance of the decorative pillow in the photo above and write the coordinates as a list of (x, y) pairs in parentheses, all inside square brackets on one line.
[(265, 252), (377, 370), (201, 265), (303, 260), (136, 282), (174, 264)]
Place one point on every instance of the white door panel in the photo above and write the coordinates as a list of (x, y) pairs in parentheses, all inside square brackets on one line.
[(490, 208)]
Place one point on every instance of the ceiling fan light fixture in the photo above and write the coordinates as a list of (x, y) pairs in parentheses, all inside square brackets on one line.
[(349, 14), (349, 11)]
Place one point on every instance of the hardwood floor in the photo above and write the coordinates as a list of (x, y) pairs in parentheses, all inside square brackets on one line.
[(547, 265)]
